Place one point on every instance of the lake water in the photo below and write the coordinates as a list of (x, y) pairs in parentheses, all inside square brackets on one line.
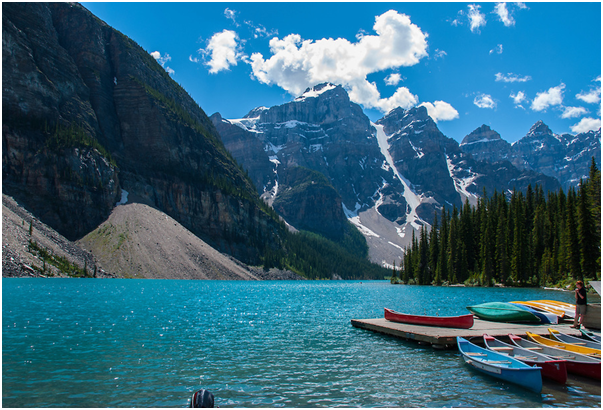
[(152, 343)]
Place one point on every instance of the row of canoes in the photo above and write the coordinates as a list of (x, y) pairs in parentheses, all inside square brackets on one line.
[(526, 362), (535, 311)]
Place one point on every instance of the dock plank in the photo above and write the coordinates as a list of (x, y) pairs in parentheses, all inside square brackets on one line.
[(441, 337)]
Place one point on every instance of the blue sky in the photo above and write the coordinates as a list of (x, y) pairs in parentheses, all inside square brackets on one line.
[(506, 65)]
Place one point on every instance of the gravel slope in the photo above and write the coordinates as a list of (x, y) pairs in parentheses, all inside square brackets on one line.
[(137, 241)]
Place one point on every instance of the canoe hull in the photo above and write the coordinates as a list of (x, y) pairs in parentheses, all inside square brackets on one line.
[(500, 366), (590, 336), (545, 307), (576, 363), (562, 337), (551, 369), (568, 347), (503, 312), (459, 322), (545, 317)]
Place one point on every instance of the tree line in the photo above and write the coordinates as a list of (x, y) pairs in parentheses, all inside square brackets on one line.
[(514, 239)]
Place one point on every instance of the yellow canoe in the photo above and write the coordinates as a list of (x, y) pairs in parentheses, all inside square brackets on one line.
[(565, 346), (547, 308), (567, 308)]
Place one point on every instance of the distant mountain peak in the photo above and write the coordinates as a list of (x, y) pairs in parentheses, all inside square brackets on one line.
[(317, 90), (481, 134), (256, 112), (540, 128)]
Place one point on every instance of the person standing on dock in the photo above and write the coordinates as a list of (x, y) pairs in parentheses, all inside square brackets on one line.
[(580, 305)]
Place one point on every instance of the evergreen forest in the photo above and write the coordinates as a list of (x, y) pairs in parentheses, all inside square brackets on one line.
[(512, 239)]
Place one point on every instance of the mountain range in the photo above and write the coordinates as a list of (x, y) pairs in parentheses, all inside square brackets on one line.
[(90, 118), (390, 177)]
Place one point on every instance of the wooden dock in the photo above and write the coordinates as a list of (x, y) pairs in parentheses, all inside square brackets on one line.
[(445, 338)]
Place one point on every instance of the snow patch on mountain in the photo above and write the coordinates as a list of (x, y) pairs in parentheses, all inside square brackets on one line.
[(461, 184), (412, 199), (315, 92)]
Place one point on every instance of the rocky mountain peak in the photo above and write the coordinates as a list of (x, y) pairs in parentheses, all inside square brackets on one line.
[(540, 128), (414, 118), (318, 90), (256, 112), (322, 104), (481, 134)]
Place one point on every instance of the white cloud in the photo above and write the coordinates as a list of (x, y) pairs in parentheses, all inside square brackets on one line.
[(393, 79), (498, 49), (503, 14), (297, 64), (231, 15), (511, 78), (162, 60), (545, 99), (518, 98), (586, 124), (591, 97), (439, 54), (440, 111), (476, 18), (223, 51), (573, 112), (484, 101)]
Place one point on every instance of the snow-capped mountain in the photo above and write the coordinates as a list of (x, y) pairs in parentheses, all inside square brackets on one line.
[(389, 178), (566, 157)]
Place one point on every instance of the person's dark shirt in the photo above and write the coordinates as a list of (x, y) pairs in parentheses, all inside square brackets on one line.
[(579, 300)]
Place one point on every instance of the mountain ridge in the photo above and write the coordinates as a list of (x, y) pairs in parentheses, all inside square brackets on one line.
[(399, 173)]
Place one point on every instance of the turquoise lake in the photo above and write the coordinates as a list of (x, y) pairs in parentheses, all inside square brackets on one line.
[(152, 343)]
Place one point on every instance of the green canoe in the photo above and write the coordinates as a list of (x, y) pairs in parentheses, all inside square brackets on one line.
[(502, 312)]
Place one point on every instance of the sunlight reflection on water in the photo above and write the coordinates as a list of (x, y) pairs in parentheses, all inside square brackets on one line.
[(151, 343)]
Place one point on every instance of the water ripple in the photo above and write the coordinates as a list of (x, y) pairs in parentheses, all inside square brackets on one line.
[(151, 343)]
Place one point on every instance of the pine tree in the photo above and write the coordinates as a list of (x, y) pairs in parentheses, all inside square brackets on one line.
[(434, 251), (442, 268), (453, 248), (518, 249), (586, 234), (572, 241), (501, 254), (394, 278)]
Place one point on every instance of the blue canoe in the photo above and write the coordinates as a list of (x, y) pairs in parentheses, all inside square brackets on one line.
[(544, 317), (500, 366)]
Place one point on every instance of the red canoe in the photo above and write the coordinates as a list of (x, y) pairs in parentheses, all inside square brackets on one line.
[(460, 322)]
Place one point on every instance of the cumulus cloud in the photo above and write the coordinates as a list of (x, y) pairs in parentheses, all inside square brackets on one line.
[(545, 99), (393, 79), (440, 111), (573, 112), (484, 101), (518, 98), (296, 64), (586, 124), (593, 96), (222, 49), (511, 78), (162, 60), (476, 18), (503, 14)]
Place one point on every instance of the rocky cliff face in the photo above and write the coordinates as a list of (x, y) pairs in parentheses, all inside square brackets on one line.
[(485, 144), (323, 131), (87, 113), (565, 157)]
